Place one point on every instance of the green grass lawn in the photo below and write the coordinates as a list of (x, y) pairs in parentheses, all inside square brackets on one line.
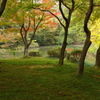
[(42, 79)]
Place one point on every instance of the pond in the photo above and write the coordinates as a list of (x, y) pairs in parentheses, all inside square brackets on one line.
[(6, 53)]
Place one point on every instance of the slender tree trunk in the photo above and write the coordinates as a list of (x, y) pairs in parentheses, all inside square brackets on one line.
[(97, 63), (83, 55), (26, 50), (61, 59), (87, 41), (67, 23)]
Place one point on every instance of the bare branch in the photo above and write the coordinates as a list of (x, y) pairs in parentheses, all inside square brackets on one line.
[(65, 5), (29, 22), (36, 29), (39, 22), (21, 33), (26, 30), (51, 14), (78, 6), (60, 8), (70, 11), (73, 3)]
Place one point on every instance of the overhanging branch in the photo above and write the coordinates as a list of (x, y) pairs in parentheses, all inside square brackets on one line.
[(66, 6), (36, 29), (51, 14)]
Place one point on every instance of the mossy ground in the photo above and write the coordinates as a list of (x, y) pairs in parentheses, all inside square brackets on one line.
[(42, 79)]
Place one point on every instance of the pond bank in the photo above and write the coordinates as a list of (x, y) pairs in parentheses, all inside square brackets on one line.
[(7, 54)]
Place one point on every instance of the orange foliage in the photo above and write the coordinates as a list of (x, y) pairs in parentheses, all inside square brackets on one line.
[(16, 2), (45, 1), (36, 16)]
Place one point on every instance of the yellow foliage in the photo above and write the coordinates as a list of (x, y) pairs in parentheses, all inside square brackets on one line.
[(18, 35), (95, 33), (3, 40)]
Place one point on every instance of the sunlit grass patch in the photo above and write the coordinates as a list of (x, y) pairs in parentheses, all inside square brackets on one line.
[(30, 61), (40, 66)]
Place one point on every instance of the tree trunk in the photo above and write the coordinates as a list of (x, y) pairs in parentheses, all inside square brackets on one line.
[(67, 23), (83, 55), (97, 63), (26, 50), (3, 5), (87, 41), (61, 59)]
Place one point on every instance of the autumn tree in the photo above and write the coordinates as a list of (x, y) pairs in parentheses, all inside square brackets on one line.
[(87, 41), (36, 20), (66, 8), (92, 9), (66, 26), (28, 20), (70, 8), (26, 28)]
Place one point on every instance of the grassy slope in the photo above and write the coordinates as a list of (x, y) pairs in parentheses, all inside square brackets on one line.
[(42, 79)]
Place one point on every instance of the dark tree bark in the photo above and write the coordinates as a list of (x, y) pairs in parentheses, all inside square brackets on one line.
[(87, 41), (3, 5), (97, 63), (67, 23), (61, 59)]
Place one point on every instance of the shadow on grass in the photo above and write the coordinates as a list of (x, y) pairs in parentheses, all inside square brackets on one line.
[(43, 79)]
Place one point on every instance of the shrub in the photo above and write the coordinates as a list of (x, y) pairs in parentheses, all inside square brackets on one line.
[(34, 53), (54, 52), (75, 55), (26, 57)]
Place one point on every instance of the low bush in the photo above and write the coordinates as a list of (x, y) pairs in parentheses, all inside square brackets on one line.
[(74, 55), (34, 53), (54, 52)]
